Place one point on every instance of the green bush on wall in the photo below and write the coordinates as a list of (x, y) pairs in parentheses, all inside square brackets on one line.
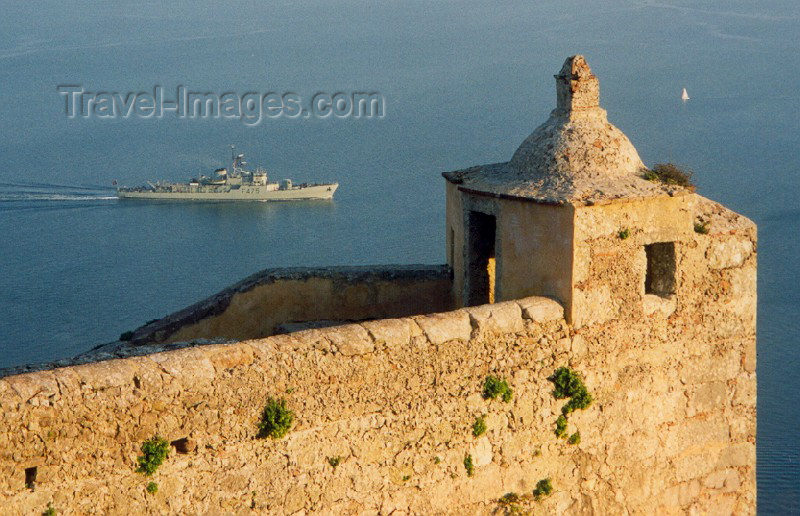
[(494, 387), (543, 488), (154, 451), (670, 174), (479, 426), (468, 465), (276, 419), (569, 384)]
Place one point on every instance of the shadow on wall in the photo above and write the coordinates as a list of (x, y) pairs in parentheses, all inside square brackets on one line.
[(277, 301)]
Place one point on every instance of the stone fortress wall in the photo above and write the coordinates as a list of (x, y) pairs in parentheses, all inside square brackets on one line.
[(672, 427)]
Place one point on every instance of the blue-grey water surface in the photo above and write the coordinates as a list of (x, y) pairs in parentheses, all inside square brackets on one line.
[(465, 82)]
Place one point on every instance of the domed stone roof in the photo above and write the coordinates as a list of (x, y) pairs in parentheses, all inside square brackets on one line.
[(577, 142), (575, 156)]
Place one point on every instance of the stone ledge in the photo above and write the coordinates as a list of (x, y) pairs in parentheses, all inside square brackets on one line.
[(205, 358)]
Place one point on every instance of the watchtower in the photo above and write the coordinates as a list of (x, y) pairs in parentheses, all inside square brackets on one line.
[(574, 189)]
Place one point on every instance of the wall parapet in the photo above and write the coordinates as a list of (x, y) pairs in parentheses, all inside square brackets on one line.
[(259, 304), (281, 300)]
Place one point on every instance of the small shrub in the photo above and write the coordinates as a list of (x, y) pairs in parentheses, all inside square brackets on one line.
[(575, 438), (568, 384), (50, 511), (468, 465), (126, 336), (701, 227), (151, 488), (670, 174), (494, 387), (508, 499), (479, 427), (334, 461), (437, 460), (624, 234), (154, 451), (406, 478), (561, 426), (543, 488), (276, 419)]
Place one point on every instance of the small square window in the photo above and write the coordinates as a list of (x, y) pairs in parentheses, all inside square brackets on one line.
[(30, 477), (660, 279)]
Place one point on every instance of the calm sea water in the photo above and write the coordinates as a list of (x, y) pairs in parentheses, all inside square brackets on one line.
[(465, 83)]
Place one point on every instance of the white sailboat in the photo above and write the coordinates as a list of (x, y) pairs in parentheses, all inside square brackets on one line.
[(684, 95)]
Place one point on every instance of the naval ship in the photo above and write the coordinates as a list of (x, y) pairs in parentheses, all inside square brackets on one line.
[(236, 184)]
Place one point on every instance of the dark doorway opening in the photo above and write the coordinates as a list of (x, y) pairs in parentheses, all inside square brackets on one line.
[(480, 258)]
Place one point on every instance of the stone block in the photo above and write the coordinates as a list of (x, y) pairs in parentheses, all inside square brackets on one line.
[(729, 252), (694, 432), (541, 309), (295, 500), (745, 391), (28, 385), (266, 348), (350, 339), (444, 327), (191, 365), (737, 455), (498, 318), (107, 374), (688, 492), (579, 347), (304, 340), (228, 356), (728, 480), (481, 452), (706, 398), (707, 369), (696, 465), (593, 306), (393, 332), (661, 306)]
